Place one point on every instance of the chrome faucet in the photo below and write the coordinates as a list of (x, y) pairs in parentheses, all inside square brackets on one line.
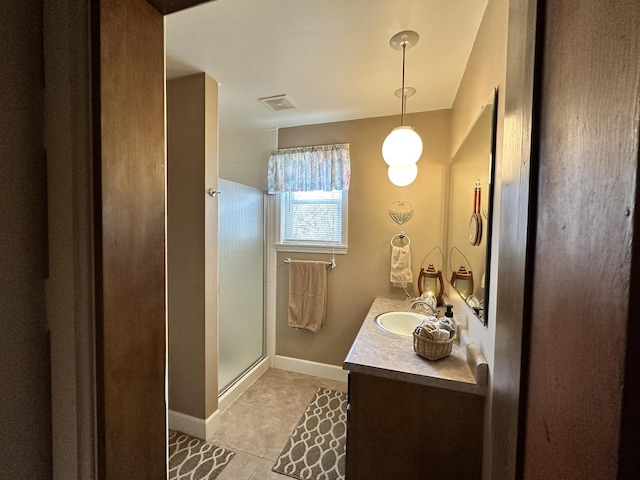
[(424, 304)]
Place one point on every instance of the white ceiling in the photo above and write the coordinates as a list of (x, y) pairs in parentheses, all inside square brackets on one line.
[(331, 57)]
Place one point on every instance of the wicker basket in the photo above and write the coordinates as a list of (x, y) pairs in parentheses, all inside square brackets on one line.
[(432, 349)]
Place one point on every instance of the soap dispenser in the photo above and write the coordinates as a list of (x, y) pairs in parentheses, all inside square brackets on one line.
[(447, 322), (448, 313)]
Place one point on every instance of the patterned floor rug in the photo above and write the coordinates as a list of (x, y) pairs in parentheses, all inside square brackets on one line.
[(193, 459), (316, 448)]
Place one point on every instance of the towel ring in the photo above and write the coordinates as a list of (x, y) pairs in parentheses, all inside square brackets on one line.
[(400, 235)]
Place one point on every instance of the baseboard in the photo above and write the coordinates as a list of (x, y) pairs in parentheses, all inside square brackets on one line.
[(231, 395), (196, 427), (323, 370)]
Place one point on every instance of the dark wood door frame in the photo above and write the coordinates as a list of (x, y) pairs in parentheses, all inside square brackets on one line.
[(516, 249), (513, 233), (129, 171), (129, 181)]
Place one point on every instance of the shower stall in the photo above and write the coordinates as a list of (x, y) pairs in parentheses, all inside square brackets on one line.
[(241, 331)]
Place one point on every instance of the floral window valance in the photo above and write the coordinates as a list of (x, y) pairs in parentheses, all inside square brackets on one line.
[(307, 169)]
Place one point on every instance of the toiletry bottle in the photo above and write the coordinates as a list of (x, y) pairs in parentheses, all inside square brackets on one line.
[(447, 322), (449, 312)]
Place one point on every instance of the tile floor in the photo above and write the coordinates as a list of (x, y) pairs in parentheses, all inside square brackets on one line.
[(258, 424)]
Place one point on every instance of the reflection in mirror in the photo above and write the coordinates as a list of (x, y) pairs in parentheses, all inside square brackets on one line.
[(462, 281), (430, 282), (430, 278), (462, 278), (470, 205)]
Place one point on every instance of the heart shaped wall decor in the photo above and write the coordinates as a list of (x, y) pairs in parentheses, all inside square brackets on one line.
[(400, 212)]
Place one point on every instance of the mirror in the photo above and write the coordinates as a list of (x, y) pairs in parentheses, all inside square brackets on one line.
[(470, 205)]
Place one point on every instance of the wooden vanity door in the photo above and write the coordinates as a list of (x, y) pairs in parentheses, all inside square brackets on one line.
[(404, 430)]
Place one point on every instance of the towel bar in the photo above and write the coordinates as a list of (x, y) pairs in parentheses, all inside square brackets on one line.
[(331, 263)]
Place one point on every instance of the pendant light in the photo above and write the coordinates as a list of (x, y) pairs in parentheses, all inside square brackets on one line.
[(403, 146), (403, 175)]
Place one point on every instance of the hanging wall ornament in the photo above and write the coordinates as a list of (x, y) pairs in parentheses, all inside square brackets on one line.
[(475, 223), (401, 212)]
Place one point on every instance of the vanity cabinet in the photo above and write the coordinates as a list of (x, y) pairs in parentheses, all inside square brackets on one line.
[(409, 418), (403, 430)]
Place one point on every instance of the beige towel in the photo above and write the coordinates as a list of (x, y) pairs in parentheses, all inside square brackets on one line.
[(401, 266), (307, 294)]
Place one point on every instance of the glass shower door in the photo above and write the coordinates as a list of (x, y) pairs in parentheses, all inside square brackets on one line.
[(240, 280)]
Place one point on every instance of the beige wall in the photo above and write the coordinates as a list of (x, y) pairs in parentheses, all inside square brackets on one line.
[(486, 70), (244, 155), (363, 273), (70, 300), (192, 230), (25, 412)]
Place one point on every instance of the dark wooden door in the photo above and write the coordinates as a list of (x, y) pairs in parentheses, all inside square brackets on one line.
[(130, 238), (582, 322)]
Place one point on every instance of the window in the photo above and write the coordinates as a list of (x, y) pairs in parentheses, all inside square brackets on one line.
[(314, 221), (311, 186)]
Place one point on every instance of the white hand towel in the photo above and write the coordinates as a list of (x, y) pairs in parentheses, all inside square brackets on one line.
[(401, 266)]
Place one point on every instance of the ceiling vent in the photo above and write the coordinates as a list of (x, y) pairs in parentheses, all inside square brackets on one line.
[(277, 102)]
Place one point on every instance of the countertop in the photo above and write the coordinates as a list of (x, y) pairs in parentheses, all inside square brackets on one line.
[(385, 354)]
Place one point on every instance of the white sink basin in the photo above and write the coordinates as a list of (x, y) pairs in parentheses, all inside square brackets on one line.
[(400, 323)]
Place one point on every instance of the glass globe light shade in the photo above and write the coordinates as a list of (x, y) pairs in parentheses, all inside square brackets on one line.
[(403, 176), (403, 146)]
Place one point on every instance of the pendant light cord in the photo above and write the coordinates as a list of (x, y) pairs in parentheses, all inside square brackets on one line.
[(404, 48)]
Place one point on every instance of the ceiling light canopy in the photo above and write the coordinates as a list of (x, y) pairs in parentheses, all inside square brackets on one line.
[(403, 146)]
